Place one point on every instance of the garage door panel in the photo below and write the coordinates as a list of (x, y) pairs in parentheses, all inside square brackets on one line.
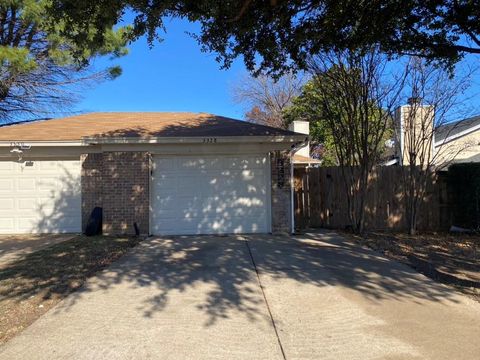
[(48, 166), (6, 166), (245, 163), (198, 164), (47, 184), (44, 196), (165, 163), (201, 203), (210, 226), (8, 224), (26, 184), (8, 204), (25, 204), (6, 185), (27, 224), (225, 194), (45, 206)]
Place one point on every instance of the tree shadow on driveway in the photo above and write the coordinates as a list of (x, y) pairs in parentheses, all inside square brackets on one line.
[(223, 274)]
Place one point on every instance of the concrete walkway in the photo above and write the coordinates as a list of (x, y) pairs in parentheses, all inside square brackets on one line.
[(257, 297)]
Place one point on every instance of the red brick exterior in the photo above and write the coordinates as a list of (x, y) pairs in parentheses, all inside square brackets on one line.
[(281, 195), (91, 182), (119, 183)]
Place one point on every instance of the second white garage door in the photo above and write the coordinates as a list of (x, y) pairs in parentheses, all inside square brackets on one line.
[(210, 195)]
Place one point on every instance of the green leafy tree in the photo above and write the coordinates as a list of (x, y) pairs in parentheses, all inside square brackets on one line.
[(276, 35), (356, 104), (40, 66), (310, 106)]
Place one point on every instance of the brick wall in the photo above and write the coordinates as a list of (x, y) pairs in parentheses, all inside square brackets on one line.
[(281, 196), (118, 182), (91, 184)]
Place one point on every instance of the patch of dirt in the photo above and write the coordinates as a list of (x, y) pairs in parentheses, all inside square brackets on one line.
[(452, 259), (33, 284)]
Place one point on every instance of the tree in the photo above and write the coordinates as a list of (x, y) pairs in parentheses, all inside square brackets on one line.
[(356, 104), (432, 94), (310, 106), (39, 65), (267, 98), (274, 36)]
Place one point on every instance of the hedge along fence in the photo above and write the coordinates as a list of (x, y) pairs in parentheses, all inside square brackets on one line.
[(464, 185), (320, 200)]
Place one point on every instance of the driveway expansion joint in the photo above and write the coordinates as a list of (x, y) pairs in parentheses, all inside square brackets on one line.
[(266, 301)]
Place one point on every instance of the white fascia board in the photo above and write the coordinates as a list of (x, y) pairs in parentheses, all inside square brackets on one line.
[(456, 136), (291, 139), (14, 143), (197, 140)]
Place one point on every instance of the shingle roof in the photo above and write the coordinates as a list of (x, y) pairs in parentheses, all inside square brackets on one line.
[(455, 128), (135, 125)]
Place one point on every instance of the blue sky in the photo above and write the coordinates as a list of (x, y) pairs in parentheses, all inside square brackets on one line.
[(173, 76), (176, 76)]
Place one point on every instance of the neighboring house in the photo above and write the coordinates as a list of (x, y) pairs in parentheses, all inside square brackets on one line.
[(170, 173), (459, 141), (445, 144)]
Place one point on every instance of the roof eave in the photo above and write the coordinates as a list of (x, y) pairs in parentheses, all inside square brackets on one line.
[(14, 143), (450, 137), (196, 139), (86, 141)]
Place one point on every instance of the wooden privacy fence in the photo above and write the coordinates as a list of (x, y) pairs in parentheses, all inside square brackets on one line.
[(320, 200)]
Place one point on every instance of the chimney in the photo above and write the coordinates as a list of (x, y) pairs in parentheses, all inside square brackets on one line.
[(301, 127), (413, 122)]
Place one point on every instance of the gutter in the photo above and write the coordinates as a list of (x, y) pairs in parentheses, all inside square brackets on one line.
[(194, 140), (86, 141), (20, 143)]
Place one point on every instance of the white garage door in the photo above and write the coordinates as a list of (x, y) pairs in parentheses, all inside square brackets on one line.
[(210, 195), (40, 196)]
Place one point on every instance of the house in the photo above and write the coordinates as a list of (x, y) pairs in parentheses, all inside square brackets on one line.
[(440, 145), (459, 141), (167, 173)]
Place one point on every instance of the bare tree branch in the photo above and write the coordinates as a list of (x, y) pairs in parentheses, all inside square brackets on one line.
[(433, 94), (265, 99)]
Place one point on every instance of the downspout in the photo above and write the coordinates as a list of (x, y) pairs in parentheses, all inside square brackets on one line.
[(292, 195)]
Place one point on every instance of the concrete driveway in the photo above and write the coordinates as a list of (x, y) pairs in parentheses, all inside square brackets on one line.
[(258, 297)]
